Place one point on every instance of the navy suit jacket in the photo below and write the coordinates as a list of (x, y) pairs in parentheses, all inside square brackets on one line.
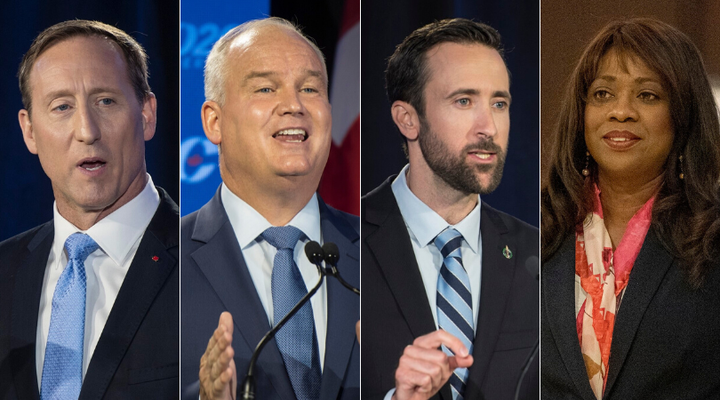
[(666, 340), (137, 354), (396, 309), (215, 278)]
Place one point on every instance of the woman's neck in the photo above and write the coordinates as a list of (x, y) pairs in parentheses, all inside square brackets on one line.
[(621, 200)]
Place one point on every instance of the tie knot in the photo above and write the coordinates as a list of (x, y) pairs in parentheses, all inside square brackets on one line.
[(79, 246), (448, 242), (282, 237)]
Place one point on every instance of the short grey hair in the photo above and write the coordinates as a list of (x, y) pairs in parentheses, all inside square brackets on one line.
[(215, 65)]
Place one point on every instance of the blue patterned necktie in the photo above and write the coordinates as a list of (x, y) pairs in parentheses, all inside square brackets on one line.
[(62, 368), (454, 302), (296, 340)]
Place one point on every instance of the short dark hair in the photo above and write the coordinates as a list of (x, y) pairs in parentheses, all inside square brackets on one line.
[(407, 71), (685, 212), (135, 56)]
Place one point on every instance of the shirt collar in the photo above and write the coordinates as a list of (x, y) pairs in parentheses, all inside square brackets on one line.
[(425, 223), (116, 233), (253, 224)]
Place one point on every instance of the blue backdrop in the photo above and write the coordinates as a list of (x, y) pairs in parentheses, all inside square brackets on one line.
[(203, 22)]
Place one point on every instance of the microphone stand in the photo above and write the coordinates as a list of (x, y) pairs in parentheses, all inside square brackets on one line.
[(248, 384)]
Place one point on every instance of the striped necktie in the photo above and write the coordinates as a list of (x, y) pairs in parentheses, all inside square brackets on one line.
[(454, 302), (62, 368)]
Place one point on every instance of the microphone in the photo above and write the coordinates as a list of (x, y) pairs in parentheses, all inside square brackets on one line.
[(314, 253), (332, 255), (532, 265)]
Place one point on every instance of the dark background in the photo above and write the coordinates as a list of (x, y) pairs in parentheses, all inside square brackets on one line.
[(386, 23), (26, 195)]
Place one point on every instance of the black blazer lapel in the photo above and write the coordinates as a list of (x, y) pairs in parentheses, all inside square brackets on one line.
[(649, 270), (25, 307), (558, 304), (222, 263), (143, 281), (391, 246), (497, 277), (343, 305)]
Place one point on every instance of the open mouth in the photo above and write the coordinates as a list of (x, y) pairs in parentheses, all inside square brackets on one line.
[(483, 157), (294, 135), (92, 164)]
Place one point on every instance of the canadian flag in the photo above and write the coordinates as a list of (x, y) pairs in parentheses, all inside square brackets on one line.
[(340, 184)]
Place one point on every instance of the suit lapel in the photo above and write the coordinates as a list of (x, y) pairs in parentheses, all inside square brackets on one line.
[(497, 277), (222, 263), (391, 246), (144, 279), (342, 304), (649, 270), (26, 303), (558, 304)]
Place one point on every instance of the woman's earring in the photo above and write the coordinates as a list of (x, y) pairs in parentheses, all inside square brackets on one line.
[(586, 170), (682, 174)]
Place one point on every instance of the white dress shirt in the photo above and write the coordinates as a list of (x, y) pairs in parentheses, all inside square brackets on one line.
[(259, 255), (118, 236)]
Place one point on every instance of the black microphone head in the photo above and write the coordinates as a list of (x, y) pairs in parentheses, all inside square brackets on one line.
[(332, 254), (532, 265), (314, 252)]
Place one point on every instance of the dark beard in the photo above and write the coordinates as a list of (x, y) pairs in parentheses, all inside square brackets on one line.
[(453, 169)]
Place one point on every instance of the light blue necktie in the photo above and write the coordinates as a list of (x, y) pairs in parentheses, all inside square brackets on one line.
[(62, 369), (454, 302), (296, 340)]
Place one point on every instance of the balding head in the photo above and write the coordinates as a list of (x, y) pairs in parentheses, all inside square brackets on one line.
[(241, 36)]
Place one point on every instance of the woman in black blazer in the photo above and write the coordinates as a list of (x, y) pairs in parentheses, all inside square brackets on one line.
[(631, 224)]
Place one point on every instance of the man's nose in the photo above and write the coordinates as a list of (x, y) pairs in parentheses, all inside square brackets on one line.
[(290, 102), (87, 129), (485, 122)]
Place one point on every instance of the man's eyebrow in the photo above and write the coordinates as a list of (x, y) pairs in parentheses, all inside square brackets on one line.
[(315, 73), (55, 94), (475, 92), (469, 92), (259, 74), (269, 74), (502, 93)]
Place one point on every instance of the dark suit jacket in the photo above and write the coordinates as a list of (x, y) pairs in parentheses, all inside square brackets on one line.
[(396, 309), (215, 278), (666, 340), (137, 354)]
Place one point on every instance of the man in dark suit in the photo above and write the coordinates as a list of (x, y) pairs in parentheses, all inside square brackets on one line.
[(267, 109), (89, 300), (452, 312)]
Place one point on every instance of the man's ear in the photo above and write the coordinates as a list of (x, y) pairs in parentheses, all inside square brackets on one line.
[(211, 118), (27, 130), (406, 118), (149, 113)]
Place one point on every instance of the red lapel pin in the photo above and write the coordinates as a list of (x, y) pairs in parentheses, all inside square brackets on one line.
[(155, 258)]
